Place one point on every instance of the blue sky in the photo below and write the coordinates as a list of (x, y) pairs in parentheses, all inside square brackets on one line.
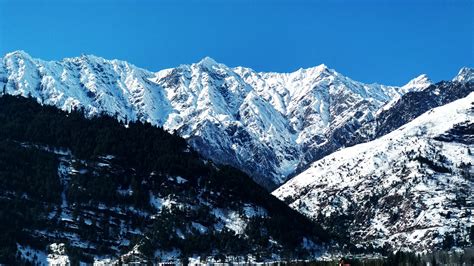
[(387, 42)]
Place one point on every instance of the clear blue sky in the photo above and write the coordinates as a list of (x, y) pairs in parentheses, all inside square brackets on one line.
[(381, 41)]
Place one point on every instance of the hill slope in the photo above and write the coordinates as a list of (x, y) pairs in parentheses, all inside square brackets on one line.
[(410, 189), (95, 188)]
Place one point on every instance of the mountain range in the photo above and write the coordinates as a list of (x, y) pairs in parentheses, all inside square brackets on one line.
[(373, 167), (270, 125)]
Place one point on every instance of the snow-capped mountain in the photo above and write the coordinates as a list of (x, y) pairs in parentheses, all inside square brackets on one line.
[(465, 75), (267, 124), (410, 189), (415, 103), (407, 107)]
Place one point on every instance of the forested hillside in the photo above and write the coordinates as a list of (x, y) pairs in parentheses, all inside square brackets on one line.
[(105, 189)]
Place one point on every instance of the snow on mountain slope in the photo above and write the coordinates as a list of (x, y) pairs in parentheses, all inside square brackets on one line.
[(417, 84), (267, 124), (465, 75), (89, 82), (410, 189), (415, 103)]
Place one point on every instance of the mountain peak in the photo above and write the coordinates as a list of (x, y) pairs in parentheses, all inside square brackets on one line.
[(421, 79), (18, 53), (207, 61), (465, 74), (90, 56), (321, 67), (316, 71), (95, 58), (418, 83)]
